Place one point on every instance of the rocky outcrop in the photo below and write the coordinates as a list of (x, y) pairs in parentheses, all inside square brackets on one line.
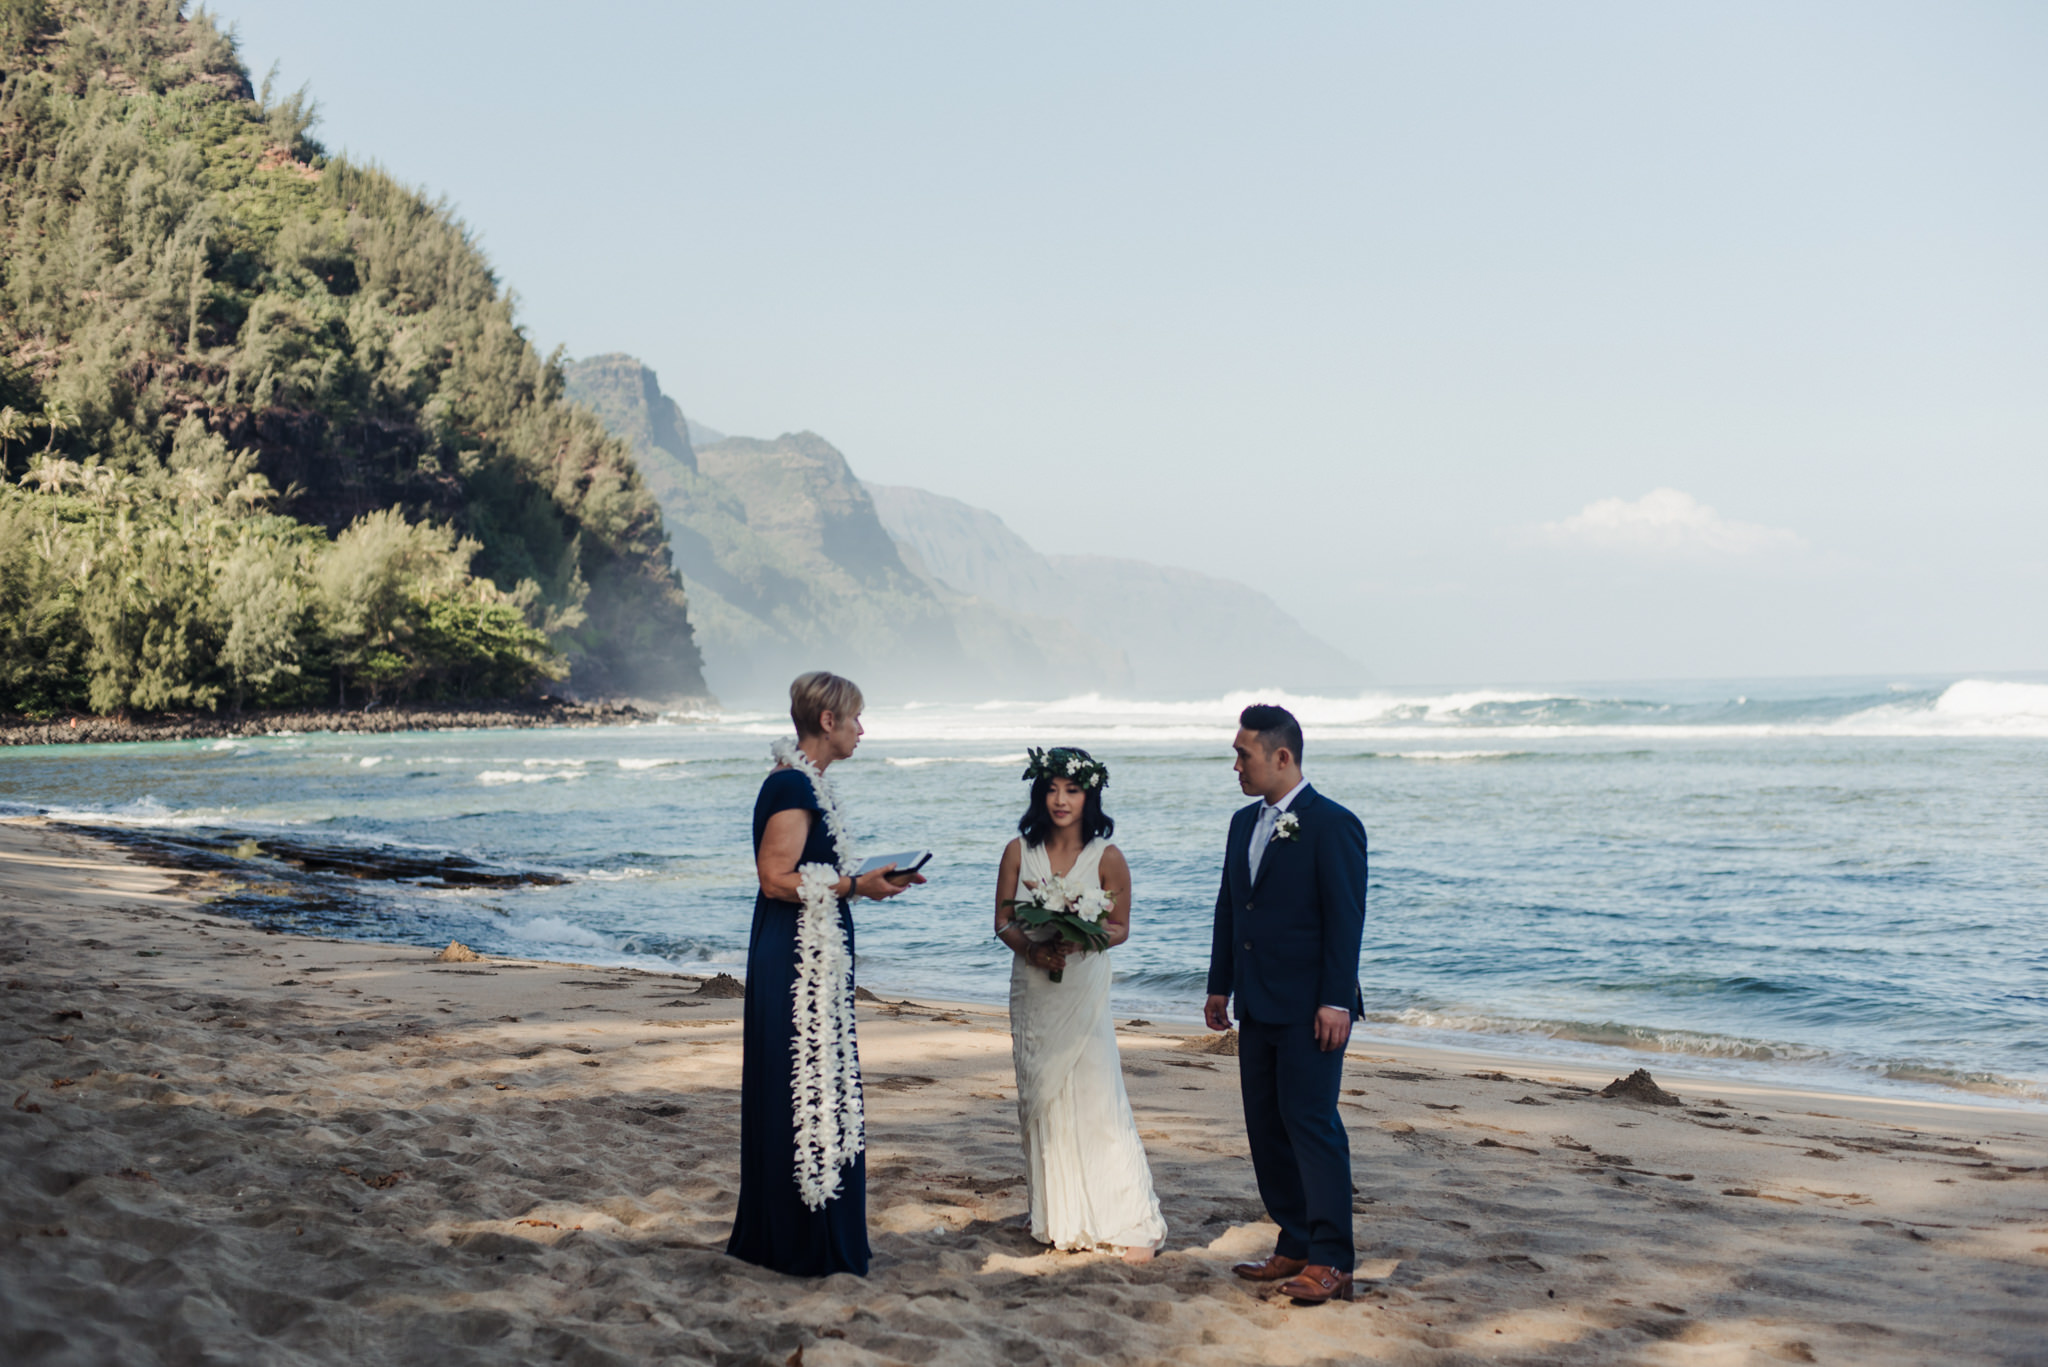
[(971, 550), (627, 397), (799, 492), (272, 721)]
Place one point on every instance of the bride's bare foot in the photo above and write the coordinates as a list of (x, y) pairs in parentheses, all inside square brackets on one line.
[(1138, 1253)]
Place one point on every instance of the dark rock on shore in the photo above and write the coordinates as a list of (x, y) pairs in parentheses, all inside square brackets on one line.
[(1224, 1044), (214, 850), (1640, 1086), (272, 721)]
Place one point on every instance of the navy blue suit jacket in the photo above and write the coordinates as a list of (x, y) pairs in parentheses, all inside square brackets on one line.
[(1287, 942)]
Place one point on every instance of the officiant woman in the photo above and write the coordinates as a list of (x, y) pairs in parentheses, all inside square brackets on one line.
[(803, 1169)]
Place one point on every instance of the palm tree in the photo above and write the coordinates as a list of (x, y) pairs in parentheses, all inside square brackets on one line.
[(51, 475), (58, 416), (13, 427)]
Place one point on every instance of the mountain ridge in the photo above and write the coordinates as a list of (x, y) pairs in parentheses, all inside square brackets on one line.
[(1184, 632), (789, 568), (793, 562)]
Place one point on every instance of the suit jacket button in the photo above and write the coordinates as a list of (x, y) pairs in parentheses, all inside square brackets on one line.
[(1248, 905), (1247, 944)]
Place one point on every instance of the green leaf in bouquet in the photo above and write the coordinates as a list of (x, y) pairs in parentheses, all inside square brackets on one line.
[(1030, 913), (1090, 935)]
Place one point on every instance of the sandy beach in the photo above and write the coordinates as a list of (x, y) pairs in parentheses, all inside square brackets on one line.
[(226, 1146)]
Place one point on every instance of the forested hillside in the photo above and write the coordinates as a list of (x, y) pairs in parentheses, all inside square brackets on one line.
[(269, 430)]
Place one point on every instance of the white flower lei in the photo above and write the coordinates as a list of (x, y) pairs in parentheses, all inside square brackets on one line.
[(831, 1128)]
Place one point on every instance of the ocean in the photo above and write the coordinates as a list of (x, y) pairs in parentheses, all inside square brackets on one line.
[(1840, 882)]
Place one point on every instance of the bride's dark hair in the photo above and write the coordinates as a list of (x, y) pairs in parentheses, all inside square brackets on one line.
[(1036, 824)]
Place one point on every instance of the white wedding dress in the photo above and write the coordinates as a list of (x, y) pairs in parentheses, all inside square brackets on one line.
[(1090, 1185)]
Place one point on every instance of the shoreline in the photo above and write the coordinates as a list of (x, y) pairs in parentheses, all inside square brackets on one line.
[(1692, 1072), (1517, 1049), (84, 729), (249, 1145), (1696, 1071)]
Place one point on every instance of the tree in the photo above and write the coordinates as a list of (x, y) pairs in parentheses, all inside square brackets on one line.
[(41, 639), (13, 427), (260, 598), (58, 416)]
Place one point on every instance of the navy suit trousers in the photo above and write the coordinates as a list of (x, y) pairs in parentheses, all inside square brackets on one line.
[(1300, 1153)]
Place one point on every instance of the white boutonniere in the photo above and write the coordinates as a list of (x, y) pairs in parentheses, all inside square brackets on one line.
[(1287, 826)]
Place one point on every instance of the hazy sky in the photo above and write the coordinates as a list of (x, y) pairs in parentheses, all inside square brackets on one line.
[(1495, 341)]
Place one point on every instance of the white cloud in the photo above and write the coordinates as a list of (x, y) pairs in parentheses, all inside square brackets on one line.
[(1668, 521)]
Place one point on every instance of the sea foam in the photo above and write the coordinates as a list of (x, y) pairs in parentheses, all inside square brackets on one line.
[(553, 930), (1968, 707)]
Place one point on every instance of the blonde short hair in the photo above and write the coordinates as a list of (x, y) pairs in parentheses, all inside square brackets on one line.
[(814, 694)]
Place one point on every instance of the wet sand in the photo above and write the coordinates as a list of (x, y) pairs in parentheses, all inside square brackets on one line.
[(226, 1146)]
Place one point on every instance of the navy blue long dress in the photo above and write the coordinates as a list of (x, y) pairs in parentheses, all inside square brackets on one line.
[(774, 1227)]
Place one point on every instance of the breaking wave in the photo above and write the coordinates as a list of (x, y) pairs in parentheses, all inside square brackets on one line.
[(1960, 709)]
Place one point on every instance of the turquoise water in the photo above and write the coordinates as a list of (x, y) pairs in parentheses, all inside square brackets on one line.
[(1841, 881)]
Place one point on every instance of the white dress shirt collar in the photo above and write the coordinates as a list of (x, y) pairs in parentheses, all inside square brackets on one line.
[(1268, 819), (1292, 793)]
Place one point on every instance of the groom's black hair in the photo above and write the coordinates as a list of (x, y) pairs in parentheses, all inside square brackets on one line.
[(1036, 823), (1274, 726)]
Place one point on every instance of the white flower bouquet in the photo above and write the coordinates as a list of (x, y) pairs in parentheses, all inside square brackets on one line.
[(1058, 910)]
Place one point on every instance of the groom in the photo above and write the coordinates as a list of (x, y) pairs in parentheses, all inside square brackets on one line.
[(1288, 921)]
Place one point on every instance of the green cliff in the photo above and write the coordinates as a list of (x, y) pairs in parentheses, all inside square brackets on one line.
[(789, 568)]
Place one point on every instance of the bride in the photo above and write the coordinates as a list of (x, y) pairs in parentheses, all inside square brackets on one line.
[(1090, 1185)]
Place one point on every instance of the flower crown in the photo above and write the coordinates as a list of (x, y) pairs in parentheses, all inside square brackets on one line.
[(1065, 762)]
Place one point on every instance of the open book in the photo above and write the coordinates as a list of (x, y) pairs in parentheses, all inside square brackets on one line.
[(907, 863)]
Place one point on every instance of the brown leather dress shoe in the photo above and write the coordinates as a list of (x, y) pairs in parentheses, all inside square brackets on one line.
[(1317, 1284), (1273, 1269)]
